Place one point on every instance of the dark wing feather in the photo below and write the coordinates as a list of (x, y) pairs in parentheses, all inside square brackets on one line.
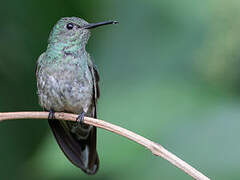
[(96, 89), (97, 79), (74, 148)]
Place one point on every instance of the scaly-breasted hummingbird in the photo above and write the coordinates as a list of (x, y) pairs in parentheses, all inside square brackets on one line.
[(67, 81)]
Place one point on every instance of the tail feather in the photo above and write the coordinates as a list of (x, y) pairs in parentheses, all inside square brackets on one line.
[(81, 153)]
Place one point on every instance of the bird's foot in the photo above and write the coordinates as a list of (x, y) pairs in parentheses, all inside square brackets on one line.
[(51, 115), (80, 118)]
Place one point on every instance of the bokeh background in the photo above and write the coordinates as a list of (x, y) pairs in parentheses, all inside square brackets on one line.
[(169, 71)]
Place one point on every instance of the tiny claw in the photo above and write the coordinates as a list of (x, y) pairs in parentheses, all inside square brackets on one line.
[(80, 118), (51, 115)]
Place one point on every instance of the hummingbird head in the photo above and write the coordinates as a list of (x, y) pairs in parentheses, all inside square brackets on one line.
[(73, 31)]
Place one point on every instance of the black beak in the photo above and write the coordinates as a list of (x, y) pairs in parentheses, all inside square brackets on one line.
[(93, 25)]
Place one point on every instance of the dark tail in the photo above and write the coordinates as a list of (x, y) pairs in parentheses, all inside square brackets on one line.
[(81, 153)]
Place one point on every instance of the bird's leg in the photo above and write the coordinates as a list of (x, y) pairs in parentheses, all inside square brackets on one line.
[(51, 115), (80, 118)]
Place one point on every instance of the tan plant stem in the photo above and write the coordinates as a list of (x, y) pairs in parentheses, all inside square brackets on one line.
[(155, 148)]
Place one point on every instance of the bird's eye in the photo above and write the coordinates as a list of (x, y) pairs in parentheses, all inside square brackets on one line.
[(69, 26)]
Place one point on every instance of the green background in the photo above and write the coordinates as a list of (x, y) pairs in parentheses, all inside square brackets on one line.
[(169, 71)]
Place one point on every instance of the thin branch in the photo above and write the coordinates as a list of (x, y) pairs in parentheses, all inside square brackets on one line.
[(155, 148)]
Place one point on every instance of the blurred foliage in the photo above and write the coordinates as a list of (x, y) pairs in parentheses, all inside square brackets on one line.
[(169, 71), (219, 59)]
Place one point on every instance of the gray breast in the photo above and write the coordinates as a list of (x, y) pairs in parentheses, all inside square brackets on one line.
[(65, 88)]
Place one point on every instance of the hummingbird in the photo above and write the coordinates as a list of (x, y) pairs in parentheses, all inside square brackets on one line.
[(67, 81)]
